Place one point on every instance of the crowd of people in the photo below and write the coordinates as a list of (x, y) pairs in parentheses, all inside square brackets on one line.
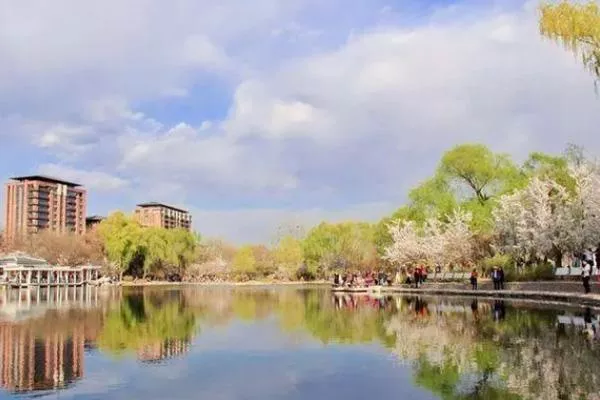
[(413, 276), (370, 278)]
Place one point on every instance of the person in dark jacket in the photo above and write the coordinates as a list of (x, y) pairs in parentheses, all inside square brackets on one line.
[(496, 278), (473, 279), (417, 276)]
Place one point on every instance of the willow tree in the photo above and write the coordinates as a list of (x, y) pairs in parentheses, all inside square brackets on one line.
[(341, 246), (122, 238), (577, 27)]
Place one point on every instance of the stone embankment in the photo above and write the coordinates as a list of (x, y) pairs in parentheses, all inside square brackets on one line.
[(564, 292)]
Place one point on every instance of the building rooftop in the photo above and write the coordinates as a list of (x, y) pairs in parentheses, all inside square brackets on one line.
[(155, 204), (94, 218), (22, 259), (44, 178)]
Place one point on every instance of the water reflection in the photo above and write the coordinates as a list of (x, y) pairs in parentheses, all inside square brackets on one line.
[(153, 326), (452, 348), (44, 334)]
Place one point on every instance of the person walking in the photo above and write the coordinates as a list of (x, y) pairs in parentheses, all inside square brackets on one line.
[(473, 279), (501, 277), (586, 274)]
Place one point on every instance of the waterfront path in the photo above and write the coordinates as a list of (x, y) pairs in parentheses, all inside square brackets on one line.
[(548, 292)]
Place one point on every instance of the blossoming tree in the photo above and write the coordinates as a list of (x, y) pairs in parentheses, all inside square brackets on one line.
[(545, 220), (435, 243)]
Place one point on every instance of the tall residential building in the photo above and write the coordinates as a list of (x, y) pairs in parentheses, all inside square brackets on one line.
[(162, 216), (35, 203)]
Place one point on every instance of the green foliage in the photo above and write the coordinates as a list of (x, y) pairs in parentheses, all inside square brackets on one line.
[(477, 173), (244, 262), (470, 177), (122, 240), (342, 246), (538, 272), (546, 166), (288, 255), (140, 321), (577, 27), (439, 379), (499, 260), (434, 197), (158, 249)]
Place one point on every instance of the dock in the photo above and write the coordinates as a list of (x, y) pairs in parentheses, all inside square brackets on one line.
[(20, 270)]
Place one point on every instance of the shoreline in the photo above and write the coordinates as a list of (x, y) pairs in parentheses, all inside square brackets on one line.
[(564, 298), (556, 292), (224, 283)]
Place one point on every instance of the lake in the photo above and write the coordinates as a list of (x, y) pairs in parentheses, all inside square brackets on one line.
[(290, 343)]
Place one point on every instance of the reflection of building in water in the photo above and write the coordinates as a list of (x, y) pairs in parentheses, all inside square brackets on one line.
[(31, 363), (19, 304), (162, 350)]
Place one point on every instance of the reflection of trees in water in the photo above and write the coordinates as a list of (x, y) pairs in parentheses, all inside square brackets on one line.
[(481, 356), (358, 321), (155, 325), (471, 350)]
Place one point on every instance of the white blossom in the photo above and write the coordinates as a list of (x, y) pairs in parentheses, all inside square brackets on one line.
[(545, 220), (436, 243)]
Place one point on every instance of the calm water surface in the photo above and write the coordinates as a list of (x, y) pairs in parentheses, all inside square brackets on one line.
[(290, 343)]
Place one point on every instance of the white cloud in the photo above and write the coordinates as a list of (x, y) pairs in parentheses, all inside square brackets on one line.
[(92, 180), (390, 95), (187, 154), (67, 138)]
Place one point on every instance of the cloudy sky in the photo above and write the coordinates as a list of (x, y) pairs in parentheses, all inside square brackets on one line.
[(255, 114)]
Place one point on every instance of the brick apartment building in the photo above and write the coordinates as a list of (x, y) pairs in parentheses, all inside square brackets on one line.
[(35, 203), (162, 216)]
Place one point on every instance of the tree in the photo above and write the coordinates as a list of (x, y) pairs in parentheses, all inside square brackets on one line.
[(438, 243), (244, 262), (434, 197), (533, 220), (156, 249), (407, 246), (64, 249), (264, 260), (575, 26), (183, 248), (212, 259), (347, 245), (546, 220), (288, 256), (549, 167), (477, 172), (122, 238), (470, 177)]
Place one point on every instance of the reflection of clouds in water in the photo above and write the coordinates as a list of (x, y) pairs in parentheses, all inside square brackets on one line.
[(250, 361), (101, 376), (275, 375), (264, 336)]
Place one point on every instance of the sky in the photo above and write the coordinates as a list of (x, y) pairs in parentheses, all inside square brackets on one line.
[(267, 113)]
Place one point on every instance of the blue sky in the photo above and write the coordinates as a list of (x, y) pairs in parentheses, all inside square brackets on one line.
[(272, 112)]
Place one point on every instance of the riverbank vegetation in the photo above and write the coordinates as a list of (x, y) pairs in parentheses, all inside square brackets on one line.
[(477, 210)]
